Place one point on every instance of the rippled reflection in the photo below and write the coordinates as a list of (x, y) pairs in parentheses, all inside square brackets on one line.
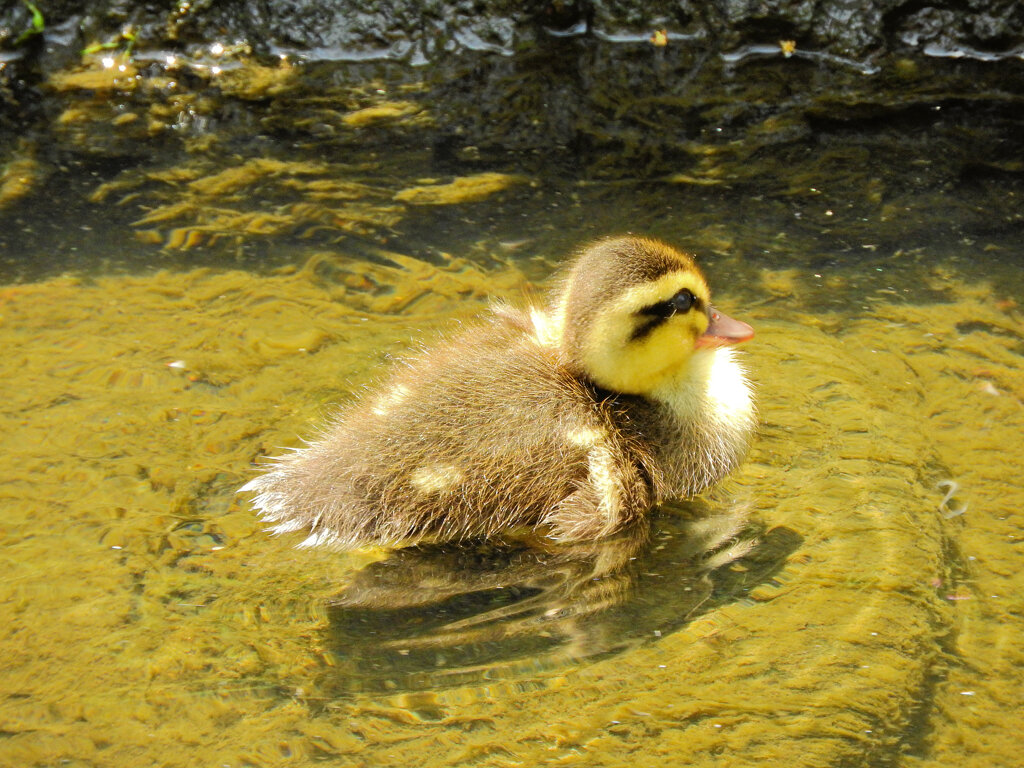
[(439, 616)]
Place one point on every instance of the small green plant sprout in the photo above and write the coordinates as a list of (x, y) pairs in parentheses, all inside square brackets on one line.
[(126, 38), (38, 23)]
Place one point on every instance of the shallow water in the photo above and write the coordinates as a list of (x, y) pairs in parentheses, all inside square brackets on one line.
[(826, 606)]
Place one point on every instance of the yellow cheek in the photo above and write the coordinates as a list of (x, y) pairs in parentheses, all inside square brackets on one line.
[(640, 367), (637, 366)]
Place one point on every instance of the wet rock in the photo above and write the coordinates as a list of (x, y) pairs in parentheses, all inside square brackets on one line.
[(426, 30)]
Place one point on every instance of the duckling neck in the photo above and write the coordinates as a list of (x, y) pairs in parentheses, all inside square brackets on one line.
[(711, 410), (712, 385)]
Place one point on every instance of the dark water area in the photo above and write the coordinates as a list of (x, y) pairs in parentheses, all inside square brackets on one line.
[(807, 158)]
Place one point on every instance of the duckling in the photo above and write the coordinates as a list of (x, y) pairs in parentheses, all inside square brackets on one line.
[(574, 418)]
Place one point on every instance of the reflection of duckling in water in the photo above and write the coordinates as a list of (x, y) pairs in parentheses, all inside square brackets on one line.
[(577, 419), (434, 616)]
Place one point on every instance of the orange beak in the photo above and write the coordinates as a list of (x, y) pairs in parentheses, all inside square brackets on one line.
[(723, 330)]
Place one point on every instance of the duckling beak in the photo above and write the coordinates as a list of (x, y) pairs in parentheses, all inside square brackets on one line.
[(723, 330)]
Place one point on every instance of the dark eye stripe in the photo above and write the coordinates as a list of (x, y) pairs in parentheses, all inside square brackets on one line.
[(656, 314), (645, 328), (663, 310), (681, 303)]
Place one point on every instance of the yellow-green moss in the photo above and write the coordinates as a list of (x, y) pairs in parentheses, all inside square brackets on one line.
[(148, 618)]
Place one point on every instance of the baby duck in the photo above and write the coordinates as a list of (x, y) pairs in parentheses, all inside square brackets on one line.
[(575, 418)]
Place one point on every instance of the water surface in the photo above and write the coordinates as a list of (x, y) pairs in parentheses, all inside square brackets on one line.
[(851, 596)]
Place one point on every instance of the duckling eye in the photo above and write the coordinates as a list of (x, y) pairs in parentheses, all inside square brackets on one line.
[(683, 300), (680, 303)]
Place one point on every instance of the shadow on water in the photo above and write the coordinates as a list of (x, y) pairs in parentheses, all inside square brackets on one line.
[(434, 617)]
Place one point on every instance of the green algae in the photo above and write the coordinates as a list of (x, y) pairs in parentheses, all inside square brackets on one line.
[(149, 620)]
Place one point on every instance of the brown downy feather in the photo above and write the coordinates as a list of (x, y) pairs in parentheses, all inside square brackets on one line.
[(499, 428)]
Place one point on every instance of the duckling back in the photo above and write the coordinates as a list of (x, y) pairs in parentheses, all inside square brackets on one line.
[(484, 433)]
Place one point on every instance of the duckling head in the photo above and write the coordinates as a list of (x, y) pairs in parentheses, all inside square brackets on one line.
[(635, 317)]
